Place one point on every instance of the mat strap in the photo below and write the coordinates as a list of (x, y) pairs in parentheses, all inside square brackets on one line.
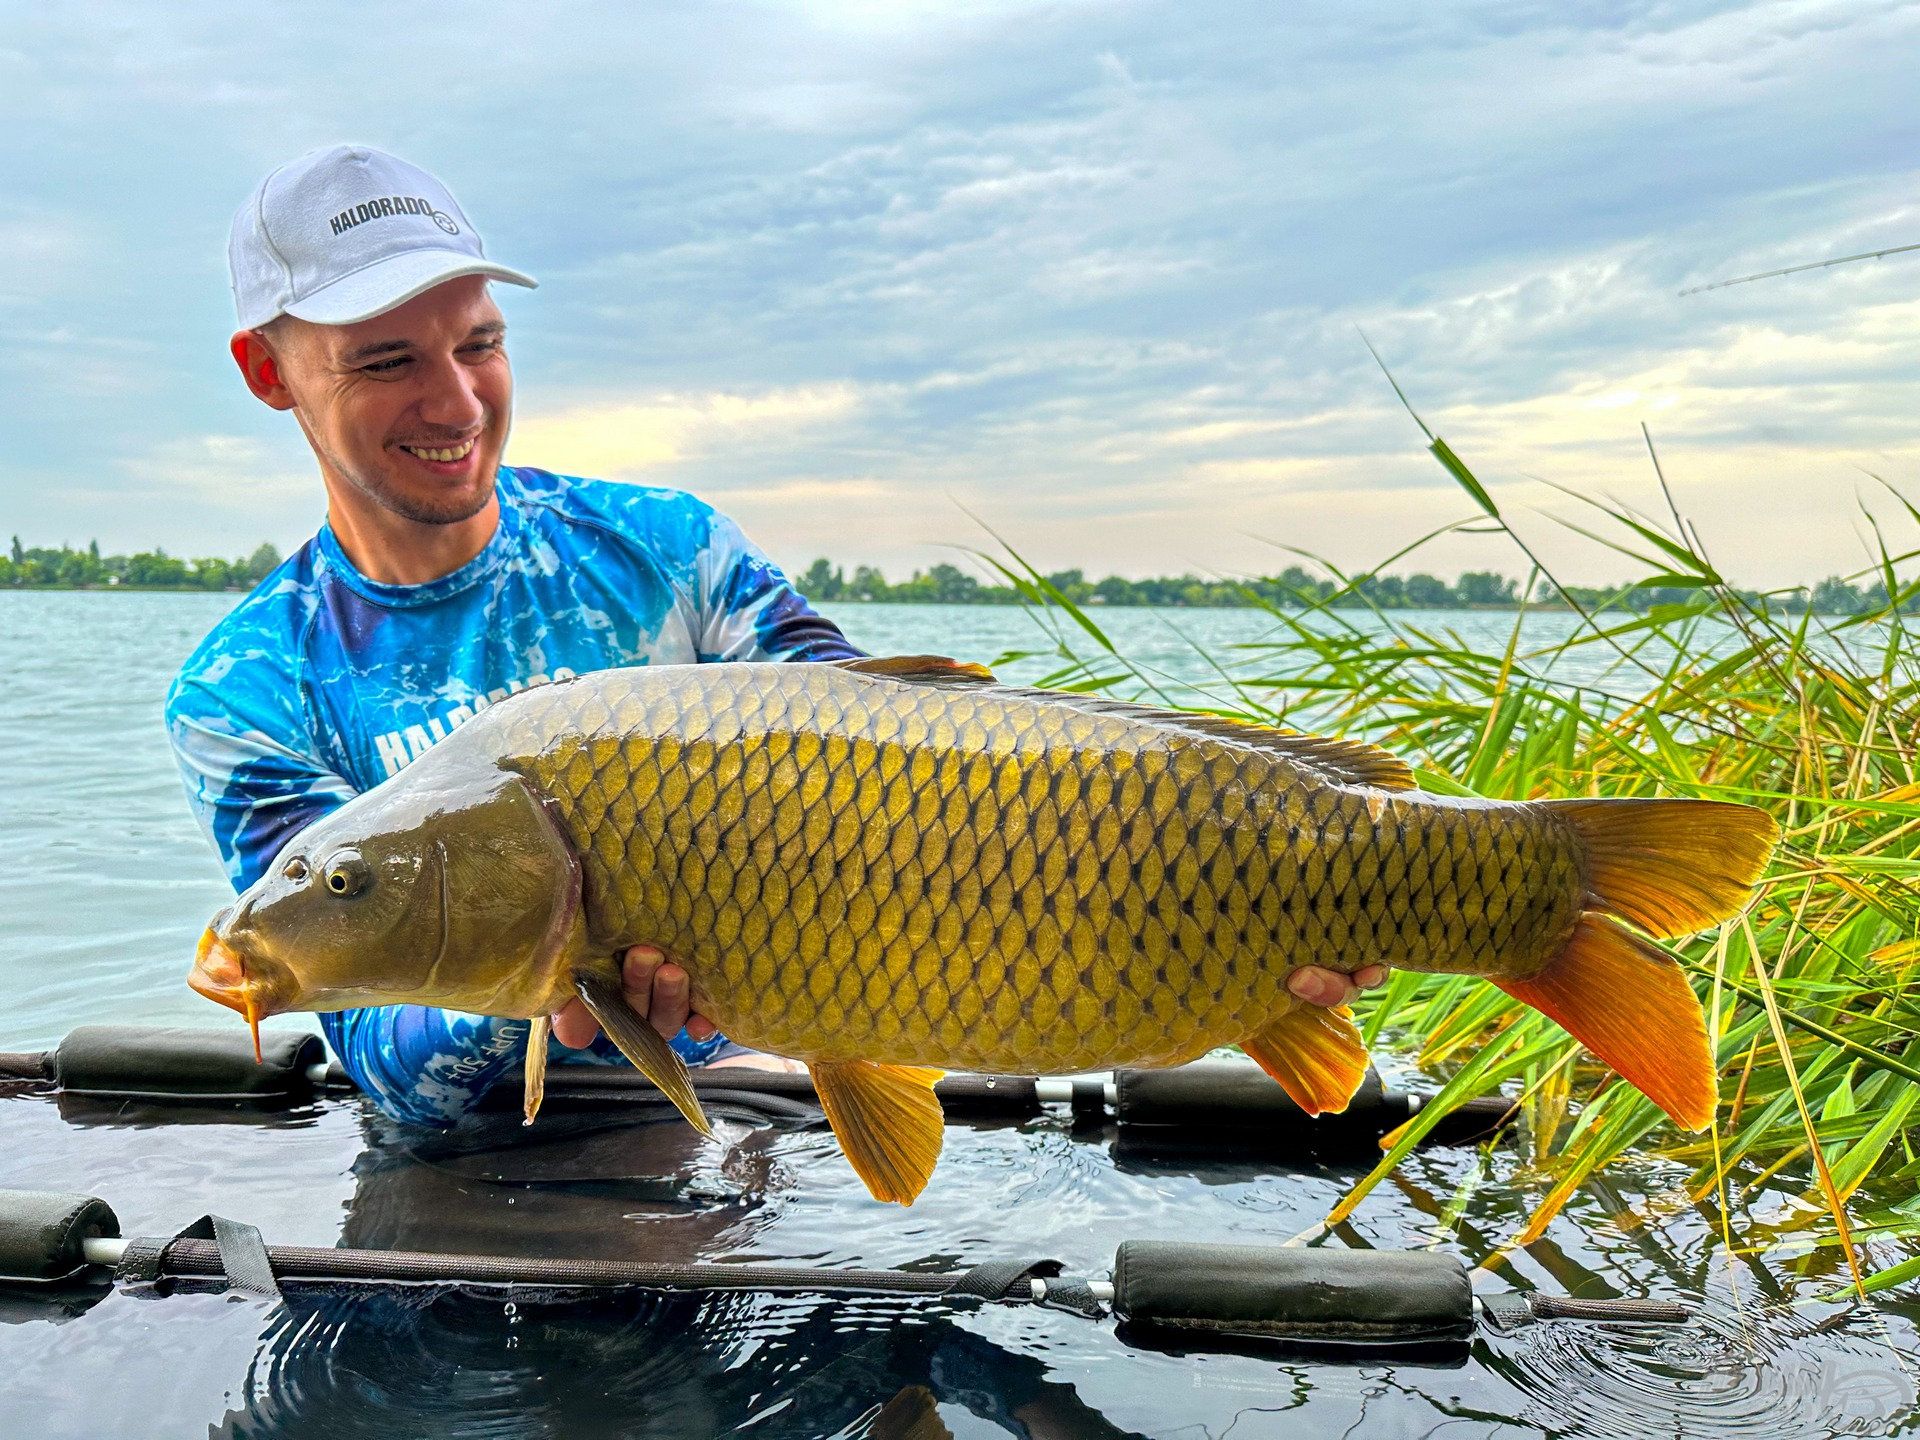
[(243, 1256)]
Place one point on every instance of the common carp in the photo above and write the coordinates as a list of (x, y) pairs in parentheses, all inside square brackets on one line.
[(891, 867)]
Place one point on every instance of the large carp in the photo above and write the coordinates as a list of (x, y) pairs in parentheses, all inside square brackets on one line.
[(887, 866)]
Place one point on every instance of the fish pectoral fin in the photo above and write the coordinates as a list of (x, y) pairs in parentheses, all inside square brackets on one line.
[(641, 1044), (1630, 1003), (538, 1029), (887, 1119), (1315, 1053)]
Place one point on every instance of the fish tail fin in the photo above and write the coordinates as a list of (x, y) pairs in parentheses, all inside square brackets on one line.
[(1670, 866), (1630, 1003)]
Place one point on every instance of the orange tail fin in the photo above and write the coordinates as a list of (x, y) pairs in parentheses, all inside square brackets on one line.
[(1671, 867), (1626, 1000)]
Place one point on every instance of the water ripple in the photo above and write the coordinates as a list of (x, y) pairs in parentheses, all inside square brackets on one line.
[(1773, 1372)]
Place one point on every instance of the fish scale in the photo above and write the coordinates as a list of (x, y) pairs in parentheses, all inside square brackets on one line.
[(888, 866), (856, 867)]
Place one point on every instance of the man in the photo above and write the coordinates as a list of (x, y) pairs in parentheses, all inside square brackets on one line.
[(442, 580)]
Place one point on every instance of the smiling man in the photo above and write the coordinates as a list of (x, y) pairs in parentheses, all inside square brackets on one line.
[(442, 581)]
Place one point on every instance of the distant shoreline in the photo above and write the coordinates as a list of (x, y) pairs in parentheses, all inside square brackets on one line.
[(1298, 589), (982, 604), (826, 585), (1344, 606)]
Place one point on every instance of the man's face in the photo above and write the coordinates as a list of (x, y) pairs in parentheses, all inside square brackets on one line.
[(409, 409)]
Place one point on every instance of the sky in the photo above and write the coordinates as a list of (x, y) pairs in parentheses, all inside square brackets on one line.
[(873, 277)]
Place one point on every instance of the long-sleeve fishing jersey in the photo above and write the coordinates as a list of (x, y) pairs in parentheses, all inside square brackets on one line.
[(322, 683)]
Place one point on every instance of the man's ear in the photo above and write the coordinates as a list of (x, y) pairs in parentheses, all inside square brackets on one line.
[(260, 369)]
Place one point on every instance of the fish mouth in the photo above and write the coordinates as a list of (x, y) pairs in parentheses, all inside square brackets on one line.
[(221, 975)]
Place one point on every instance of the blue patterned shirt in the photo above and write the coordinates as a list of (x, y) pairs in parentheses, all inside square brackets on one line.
[(322, 683)]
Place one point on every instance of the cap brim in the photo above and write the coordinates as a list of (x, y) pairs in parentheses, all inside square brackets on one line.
[(394, 281)]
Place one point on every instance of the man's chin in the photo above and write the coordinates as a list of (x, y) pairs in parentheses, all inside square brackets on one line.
[(435, 505)]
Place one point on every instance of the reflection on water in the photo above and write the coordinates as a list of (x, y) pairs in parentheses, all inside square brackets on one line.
[(438, 1361), (672, 1367)]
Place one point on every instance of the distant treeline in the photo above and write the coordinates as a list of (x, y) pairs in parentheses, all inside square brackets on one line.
[(1295, 587), (823, 581), (70, 569)]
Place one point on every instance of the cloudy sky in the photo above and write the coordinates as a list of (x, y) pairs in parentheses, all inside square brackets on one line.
[(1097, 271)]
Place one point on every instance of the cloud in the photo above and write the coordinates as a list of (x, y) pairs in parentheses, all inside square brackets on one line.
[(214, 474), (1090, 270), (624, 439)]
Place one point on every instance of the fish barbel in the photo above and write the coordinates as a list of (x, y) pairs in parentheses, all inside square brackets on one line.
[(892, 867)]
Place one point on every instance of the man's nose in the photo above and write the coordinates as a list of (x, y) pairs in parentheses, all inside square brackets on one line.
[(451, 400)]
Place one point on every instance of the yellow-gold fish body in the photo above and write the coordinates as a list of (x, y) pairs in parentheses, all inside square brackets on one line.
[(965, 877), (884, 867)]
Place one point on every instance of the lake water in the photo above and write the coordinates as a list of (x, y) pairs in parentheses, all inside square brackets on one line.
[(105, 883)]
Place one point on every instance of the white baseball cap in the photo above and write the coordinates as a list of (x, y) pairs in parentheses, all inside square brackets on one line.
[(347, 233)]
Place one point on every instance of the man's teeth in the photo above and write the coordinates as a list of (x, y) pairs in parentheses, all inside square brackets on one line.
[(457, 452)]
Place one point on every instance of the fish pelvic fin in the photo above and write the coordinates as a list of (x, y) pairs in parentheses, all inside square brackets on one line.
[(1630, 1003), (1669, 866), (1315, 1053), (538, 1029), (887, 1119), (652, 1056)]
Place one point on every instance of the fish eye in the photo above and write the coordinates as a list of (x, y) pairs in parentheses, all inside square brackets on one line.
[(295, 869), (347, 874)]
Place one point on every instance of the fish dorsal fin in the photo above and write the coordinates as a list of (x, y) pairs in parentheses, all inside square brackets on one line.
[(1351, 762), (1345, 762), (919, 669), (910, 1415)]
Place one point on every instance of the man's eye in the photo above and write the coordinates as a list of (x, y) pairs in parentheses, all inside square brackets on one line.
[(491, 347), (382, 367)]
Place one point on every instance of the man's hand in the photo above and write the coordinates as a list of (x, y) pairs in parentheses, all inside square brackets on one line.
[(658, 991), (1319, 986), (655, 987)]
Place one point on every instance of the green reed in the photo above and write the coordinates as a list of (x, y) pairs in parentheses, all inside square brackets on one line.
[(1811, 996)]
